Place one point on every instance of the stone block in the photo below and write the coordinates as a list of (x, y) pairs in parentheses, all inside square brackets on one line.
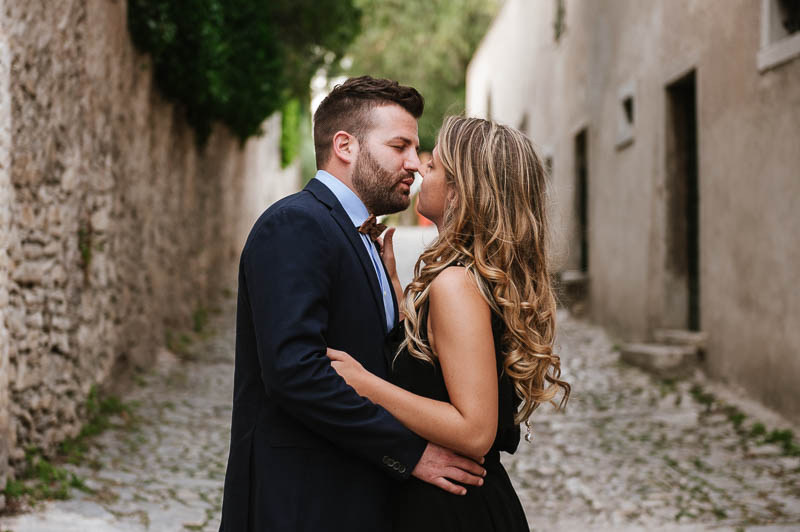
[(35, 320), (61, 323), (99, 270), (28, 217), (33, 298), (57, 276), (56, 305), (665, 361), (101, 220), (5, 259), (32, 251), (34, 273), (15, 321), (70, 178), (58, 216), (60, 341), (697, 339), (23, 377)]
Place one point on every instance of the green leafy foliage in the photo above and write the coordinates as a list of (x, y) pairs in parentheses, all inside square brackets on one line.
[(238, 61), (290, 131), (757, 433), (423, 43), (103, 413), (199, 319), (43, 479)]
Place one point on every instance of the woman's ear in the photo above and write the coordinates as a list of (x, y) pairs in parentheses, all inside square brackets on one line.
[(345, 147), (452, 196)]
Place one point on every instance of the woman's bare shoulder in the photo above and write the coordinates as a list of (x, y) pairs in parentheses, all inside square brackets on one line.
[(455, 287)]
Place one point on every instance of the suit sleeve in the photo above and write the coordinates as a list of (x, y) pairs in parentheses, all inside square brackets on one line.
[(289, 269)]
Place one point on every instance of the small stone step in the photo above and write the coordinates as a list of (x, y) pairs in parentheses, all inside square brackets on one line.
[(697, 339), (571, 277), (572, 287), (666, 361)]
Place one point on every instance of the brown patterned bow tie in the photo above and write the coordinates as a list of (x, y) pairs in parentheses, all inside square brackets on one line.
[(372, 228)]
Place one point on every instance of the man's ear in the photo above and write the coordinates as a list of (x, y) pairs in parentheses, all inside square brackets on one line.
[(345, 147)]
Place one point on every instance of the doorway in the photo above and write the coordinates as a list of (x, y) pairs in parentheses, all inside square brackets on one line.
[(683, 206), (582, 198)]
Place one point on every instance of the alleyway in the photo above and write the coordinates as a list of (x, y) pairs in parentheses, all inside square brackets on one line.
[(631, 453)]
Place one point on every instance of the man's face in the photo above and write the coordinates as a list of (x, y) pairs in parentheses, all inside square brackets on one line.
[(387, 159)]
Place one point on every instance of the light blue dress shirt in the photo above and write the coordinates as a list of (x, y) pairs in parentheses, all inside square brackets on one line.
[(358, 214)]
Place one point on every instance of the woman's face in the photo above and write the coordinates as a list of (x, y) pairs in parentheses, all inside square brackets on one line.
[(434, 193)]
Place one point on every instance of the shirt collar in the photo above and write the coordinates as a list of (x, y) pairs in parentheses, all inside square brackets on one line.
[(352, 204)]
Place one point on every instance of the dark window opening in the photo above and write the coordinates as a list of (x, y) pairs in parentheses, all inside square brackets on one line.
[(627, 104), (790, 15)]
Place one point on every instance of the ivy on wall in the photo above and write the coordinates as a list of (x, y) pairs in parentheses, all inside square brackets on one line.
[(238, 61)]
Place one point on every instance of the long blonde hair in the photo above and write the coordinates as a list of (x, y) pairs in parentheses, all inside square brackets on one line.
[(497, 228)]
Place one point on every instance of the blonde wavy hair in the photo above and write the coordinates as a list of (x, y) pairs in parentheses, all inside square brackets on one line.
[(497, 228)]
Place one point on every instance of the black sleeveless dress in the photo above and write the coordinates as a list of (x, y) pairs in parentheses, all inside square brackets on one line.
[(417, 506)]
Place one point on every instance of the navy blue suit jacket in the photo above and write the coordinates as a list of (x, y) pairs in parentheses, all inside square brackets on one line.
[(307, 452)]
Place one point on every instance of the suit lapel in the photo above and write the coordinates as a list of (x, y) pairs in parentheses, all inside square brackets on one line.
[(323, 193)]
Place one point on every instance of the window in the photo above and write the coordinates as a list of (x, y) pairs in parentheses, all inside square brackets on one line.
[(780, 33), (626, 115)]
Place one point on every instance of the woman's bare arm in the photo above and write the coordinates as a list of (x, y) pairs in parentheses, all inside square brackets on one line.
[(386, 245), (460, 333)]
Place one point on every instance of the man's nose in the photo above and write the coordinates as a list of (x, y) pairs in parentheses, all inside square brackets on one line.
[(412, 163)]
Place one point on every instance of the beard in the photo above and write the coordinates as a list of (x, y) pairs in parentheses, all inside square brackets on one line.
[(377, 187)]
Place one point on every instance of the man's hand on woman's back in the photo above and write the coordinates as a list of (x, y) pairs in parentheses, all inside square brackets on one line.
[(440, 466)]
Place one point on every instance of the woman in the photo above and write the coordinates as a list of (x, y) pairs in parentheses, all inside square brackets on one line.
[(477, 358)]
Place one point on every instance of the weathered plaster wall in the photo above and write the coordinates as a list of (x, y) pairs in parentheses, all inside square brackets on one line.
[(114, 227), (748, 128)]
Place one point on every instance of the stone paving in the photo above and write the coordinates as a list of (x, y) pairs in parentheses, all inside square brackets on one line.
[(167, 473), (630, 453), (635, 453)]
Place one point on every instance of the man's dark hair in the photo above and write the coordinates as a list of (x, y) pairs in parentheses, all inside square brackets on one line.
[(348, 106)]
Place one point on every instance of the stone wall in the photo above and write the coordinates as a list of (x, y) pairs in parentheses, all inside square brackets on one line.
[(5, 226), (114, 226)]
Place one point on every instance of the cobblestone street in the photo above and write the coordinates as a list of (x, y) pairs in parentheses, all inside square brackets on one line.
[(636, 453), (166, 474), (630, 453)]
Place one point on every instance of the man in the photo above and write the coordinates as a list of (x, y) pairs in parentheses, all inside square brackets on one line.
[(307, 452)]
